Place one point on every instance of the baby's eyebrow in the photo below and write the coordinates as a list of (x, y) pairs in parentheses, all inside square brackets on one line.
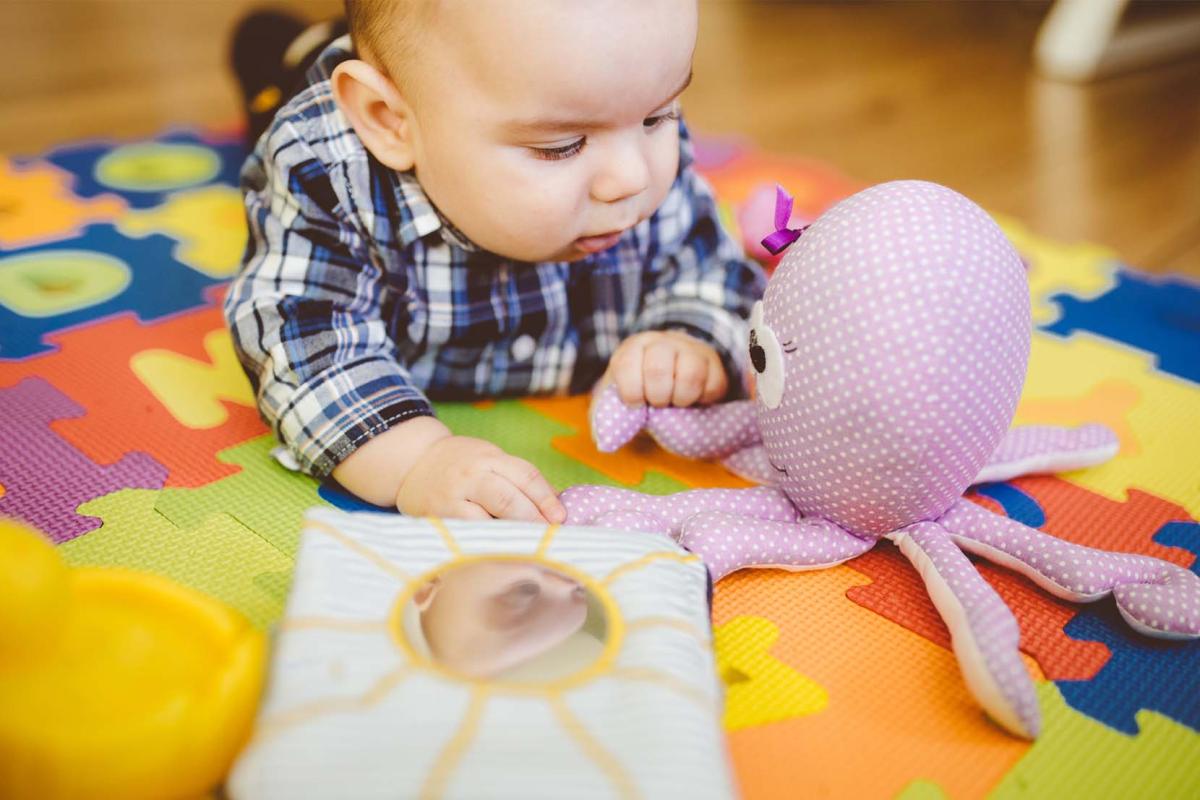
[(571, 125)]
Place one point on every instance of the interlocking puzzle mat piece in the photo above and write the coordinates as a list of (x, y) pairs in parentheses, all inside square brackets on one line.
[(1130, 525), (922, 790), (1075, 269), (36, 206), (759, 688), (1155, 674), (120, 413), (894, 699), (195, 391), (209, 223), (143, 173), (1164, 423), (1158, 675), (54, 286), (219, 556), (262, 496), (336, 495), (1108, 402), (1015, 503), (1157, 314), (897, 593), (45, 478), (1078, 757)]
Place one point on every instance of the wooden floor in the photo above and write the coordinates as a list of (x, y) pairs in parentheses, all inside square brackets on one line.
[(935, 90)]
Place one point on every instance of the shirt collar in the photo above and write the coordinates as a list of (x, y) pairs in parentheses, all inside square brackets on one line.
[(423, 218)]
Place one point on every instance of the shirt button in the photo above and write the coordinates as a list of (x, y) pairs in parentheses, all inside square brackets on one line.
[(523, 347)]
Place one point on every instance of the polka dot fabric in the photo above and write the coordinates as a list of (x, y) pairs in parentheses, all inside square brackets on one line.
[(903, 314), (891, 347), (970, 606), (1157, 597)]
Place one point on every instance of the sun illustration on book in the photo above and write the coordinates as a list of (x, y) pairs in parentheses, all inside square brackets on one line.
[(551, 618)]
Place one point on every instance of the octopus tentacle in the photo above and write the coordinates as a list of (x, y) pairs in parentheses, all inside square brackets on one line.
[(1155, 597), (753, 464), (609, 506), (1030, 449), (729, 542), (696, 432), (983, 631)]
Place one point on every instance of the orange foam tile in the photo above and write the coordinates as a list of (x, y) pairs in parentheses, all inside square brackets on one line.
[(898, 709), (629, 465)]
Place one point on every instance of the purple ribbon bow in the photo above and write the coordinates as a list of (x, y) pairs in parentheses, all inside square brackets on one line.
[(783, 236)]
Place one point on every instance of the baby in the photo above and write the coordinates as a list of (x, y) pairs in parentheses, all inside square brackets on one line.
[(473, 198)]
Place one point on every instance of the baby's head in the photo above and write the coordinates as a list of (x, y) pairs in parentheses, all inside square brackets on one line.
[(537, 127), (486, 617)]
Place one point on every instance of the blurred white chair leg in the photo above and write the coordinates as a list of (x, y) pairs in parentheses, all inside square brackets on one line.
[(1081, 39)]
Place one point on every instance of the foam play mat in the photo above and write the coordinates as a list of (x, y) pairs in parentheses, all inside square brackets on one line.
[(130, 438)]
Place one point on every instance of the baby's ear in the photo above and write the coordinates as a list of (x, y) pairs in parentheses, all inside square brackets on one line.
[(424, 595), (378, 112)]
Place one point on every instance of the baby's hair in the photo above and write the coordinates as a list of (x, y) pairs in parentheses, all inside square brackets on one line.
[(386, 31)]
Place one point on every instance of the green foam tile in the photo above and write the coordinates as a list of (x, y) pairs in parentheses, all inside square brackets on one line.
[(263, 496), (1076, 756), (218, 556)]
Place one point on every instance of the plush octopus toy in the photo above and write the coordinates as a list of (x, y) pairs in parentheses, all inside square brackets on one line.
[(890, 349)]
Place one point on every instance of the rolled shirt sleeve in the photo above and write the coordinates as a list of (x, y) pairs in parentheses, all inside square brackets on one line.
[(305, 313)]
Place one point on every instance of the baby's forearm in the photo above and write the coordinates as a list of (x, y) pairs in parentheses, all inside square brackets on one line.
[(375, 471)]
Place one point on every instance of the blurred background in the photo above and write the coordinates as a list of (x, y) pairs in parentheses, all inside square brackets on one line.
[(945, 91)]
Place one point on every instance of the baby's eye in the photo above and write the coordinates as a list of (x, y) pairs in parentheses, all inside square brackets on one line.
[(559, 153), (650, 123), (521, 594)]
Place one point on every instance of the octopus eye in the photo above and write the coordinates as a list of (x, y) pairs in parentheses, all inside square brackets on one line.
[(767, 358), (758, 356)]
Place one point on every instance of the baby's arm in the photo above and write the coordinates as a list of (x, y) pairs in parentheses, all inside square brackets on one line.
[(697, 280), (424, 470), (306, 323)]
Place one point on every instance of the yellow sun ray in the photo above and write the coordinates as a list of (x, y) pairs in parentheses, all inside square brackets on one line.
[(647, 675), (334, 624), (650, 623), (447, 537), (361, 549), (547, 538), (435, 782), (602, 758), (272, 725), (649, 558)]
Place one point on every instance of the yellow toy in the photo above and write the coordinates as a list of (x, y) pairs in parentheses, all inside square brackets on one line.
[(114, 683)]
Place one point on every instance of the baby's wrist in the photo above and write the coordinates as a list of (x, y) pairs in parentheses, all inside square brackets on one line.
[(376, 471)]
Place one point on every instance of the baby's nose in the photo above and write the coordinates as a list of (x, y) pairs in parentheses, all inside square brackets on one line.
[(625, 174)]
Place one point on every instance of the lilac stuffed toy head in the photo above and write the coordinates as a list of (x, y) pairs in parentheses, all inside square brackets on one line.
[(890, 350)]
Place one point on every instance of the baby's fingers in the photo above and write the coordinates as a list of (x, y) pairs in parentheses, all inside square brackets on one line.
[(715, 384), (497, 495), (526, 478), (658, 372), (626, 371)]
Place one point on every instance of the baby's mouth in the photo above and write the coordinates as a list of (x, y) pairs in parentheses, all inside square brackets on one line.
[(596, 244)]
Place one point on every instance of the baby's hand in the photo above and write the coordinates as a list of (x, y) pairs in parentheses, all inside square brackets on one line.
[(665, 368), (466, 478)]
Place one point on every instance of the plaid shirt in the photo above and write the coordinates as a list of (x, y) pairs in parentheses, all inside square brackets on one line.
[(357, 301)]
